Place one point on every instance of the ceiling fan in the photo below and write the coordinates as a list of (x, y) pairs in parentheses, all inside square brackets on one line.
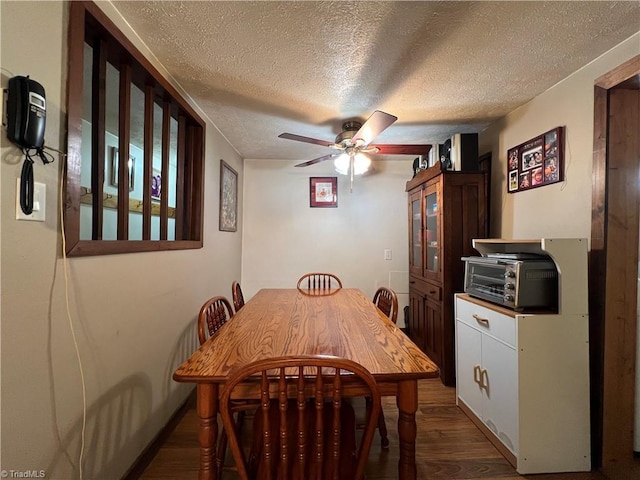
[(355, 140)]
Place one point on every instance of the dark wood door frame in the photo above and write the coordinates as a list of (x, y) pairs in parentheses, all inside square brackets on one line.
[(613, 264)]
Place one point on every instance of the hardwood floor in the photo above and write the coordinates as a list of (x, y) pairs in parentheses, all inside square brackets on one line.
[(449, 446)]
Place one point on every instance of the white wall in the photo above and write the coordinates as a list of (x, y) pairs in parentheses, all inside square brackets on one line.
[(561, 209), (285, 238), (134, 323)]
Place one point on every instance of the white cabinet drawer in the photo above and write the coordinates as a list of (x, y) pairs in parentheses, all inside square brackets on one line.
[(490, 321)]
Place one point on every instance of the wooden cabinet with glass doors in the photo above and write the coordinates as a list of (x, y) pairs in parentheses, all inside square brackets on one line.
[(446, 211)]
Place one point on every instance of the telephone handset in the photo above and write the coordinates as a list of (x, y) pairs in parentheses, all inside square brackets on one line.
[(26, 116), (26, 112)]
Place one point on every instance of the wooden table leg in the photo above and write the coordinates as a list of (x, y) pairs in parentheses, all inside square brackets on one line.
[(207, 406), (407, 406)]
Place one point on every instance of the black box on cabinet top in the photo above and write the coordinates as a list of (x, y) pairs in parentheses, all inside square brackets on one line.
[(460, 152)]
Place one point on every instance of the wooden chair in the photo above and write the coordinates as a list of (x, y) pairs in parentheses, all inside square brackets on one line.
[(214, 314), (304, 429), (387, 301), (238, 298), (319, 282)]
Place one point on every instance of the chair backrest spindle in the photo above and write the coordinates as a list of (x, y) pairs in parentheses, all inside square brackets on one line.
[(319, 283)]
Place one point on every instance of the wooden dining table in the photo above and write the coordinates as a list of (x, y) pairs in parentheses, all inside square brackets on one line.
[(278, 322)]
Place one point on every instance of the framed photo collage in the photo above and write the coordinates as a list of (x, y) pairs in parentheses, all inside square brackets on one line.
[(537, 162)]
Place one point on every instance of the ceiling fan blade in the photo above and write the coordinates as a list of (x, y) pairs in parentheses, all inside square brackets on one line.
[(300, 138), (374, 126), (401, 149), (317, 160)]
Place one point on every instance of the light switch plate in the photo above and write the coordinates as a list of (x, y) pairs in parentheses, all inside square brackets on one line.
[(39, 203), (387, 254)]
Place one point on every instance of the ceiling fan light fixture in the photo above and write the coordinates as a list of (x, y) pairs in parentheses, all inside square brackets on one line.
[(361, 164), (354, 139), (342, 164)]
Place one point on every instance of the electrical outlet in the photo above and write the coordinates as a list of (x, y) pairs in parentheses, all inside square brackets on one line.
[(387, 254), (39, 203)]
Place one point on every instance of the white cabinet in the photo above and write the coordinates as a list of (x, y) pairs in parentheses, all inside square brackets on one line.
[(487, 369), (523, 378), (486, 382)]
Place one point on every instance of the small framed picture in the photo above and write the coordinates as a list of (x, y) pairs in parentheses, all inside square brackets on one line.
[(532, 158), (323, 191), (551, 143), (536, 162), (551, 170), (115, 163), (228, 218), (513, 159), (536, 176), (156, 185), (513, 180)]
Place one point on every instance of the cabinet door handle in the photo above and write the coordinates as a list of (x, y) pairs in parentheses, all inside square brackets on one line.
[(481, 320), (477, 375), (483, 376)]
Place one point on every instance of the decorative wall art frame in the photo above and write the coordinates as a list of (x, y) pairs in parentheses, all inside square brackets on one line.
[(156, 184), (323, 192), (228, 198), (114, 169), (536, 162)]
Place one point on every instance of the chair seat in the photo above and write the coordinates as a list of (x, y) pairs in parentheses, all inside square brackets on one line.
[(348, 449)]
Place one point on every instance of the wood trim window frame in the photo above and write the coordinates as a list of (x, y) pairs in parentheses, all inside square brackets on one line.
[(88, 24)]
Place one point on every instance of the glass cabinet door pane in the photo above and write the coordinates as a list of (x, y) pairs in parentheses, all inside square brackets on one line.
[(431, 231), (416, 235)]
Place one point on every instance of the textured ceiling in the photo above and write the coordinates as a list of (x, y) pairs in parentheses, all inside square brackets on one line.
[(262, 68)]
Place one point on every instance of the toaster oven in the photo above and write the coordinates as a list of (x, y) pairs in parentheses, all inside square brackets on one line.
[(519, 281)]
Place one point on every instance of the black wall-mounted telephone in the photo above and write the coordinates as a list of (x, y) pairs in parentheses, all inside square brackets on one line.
[(26, 112), (26, 117)]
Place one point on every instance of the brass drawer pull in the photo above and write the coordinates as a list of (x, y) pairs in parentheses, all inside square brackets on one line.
[(481, 320)]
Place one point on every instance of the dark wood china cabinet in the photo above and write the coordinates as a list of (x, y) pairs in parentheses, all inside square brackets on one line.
[(446, 211)]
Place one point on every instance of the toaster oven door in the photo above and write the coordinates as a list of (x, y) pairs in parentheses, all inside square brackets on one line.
[(485, 279)]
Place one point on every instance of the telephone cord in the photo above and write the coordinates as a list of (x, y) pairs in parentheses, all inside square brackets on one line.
[(26, 177)]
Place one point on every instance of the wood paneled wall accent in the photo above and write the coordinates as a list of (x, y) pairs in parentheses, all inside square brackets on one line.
[(613, 267)]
